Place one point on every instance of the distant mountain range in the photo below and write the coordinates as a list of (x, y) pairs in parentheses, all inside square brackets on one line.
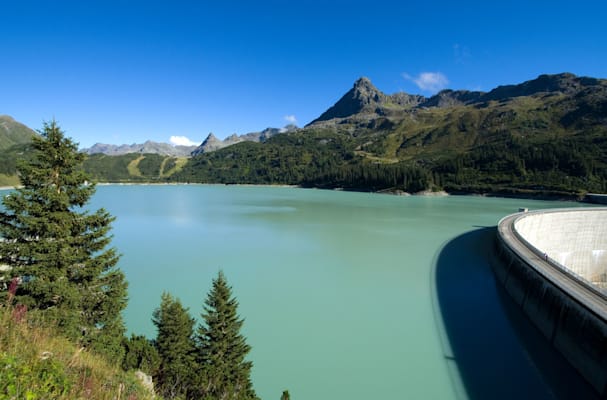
[(149, 147), (546, 135), (211, 143)]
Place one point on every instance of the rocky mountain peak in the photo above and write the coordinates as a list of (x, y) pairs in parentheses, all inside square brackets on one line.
[(365, 92), (363, 96), (211, 137)]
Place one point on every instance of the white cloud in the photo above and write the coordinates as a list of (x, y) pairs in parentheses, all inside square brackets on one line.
[(429, 81), (290, 119), (182, 141)]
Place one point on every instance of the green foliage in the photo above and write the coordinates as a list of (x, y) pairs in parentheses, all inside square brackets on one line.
[(140, 353), (60, 250), (150, 166), (43, 379), (175, 345), (210, 365), (221, 349), (285, 395), (10, 156), (37, 363), (105, 168), (570, 165)]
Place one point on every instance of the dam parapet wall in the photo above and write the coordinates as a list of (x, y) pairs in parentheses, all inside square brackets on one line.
[(549, 267)]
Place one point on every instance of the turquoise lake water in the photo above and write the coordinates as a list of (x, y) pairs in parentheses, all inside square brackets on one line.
[(344, 295)]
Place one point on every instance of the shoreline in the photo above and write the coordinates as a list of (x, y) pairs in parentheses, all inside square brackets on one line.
[(392, 192)]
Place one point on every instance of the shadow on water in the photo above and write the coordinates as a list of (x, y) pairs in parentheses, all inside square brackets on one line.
[(491, 347)]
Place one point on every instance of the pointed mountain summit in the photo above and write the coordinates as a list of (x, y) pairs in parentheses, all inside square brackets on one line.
[(365, 98), (362, 97), (211, 143)]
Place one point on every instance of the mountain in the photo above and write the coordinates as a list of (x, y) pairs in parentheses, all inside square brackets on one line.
[(13, 133), (149, 147), (364, 102), (212, 143), (14, 142), (365, 99), (546, 135)]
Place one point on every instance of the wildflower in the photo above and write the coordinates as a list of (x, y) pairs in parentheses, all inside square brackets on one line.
[(19, 312), (12, 289)]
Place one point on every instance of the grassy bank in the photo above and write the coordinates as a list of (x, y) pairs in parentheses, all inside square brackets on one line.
[(35, 363)]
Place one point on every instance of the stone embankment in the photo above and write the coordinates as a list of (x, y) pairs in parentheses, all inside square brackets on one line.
[(554, 266)]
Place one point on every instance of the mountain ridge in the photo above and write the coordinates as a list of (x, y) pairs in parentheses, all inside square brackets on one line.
[(212, 143), (545, 134), (365, 101), (148, 147)]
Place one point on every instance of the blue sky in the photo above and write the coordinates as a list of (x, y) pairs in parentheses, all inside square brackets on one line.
[(127, 71)]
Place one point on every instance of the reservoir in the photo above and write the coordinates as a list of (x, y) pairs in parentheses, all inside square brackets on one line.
[(344, 295)]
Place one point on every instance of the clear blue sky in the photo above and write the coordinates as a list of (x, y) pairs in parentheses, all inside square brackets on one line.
[(126, 71)]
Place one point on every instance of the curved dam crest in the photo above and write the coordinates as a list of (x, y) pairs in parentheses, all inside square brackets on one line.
[(554, 269)]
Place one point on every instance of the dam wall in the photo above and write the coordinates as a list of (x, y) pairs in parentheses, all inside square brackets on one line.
[(576, 240), (549, 264)]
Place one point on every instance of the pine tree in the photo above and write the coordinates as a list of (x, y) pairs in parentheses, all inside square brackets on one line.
[(59, 249), (175, 345), (224, 374)]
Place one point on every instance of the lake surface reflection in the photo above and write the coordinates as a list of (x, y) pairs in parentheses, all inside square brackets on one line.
[(345, 295)]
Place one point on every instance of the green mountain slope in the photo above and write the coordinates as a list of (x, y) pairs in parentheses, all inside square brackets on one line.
[(13, 133), (548, 135), (14, 141)]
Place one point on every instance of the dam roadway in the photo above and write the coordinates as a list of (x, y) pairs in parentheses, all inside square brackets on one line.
[(554, 265)]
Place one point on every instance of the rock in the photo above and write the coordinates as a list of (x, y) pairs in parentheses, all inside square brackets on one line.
[(146, 381)]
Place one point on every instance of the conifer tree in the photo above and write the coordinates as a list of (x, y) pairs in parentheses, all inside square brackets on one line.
[(59, 249), (221, 349), (175, 345)]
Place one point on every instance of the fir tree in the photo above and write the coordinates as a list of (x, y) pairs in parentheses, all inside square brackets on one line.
[(59, 249), (175, 346), (225, 374)]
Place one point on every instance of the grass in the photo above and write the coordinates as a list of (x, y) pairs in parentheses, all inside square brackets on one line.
[(133, 166), (179, 163), (36, 363), (9, 180)]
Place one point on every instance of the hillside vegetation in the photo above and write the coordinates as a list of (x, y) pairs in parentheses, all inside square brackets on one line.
[(133, 167), (37, 363)]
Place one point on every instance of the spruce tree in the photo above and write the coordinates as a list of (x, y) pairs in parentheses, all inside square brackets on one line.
[(59, 249), (175, 345), (221, 349)]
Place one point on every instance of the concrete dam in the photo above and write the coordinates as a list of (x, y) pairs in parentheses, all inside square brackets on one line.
[(554, 266)]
